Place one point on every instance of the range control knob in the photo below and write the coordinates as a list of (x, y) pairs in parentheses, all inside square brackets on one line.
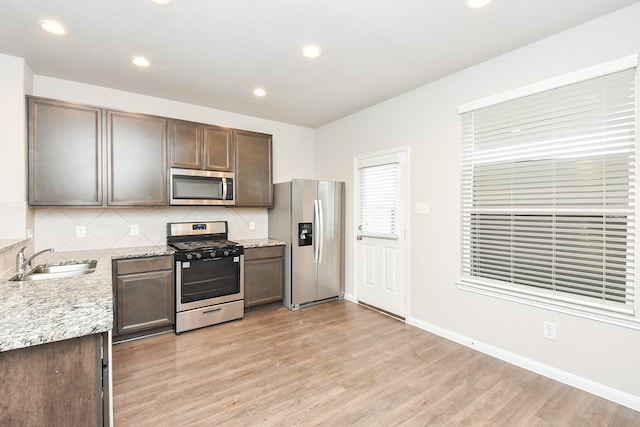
[(189, 256), (198, 255), (213, 254), (226, 252)]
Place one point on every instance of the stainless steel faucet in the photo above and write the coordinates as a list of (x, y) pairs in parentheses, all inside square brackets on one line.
[(23, 264)]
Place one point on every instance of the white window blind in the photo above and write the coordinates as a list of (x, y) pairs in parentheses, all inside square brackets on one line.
[(548, 195), (379, 198)]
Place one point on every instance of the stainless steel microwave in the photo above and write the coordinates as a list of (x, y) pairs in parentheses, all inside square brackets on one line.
[(199, 187)]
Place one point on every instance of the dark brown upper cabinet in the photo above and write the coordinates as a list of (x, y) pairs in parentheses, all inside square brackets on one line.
[(253, 169), (200, 146), (81, 155), (65, 153), (137, 155)]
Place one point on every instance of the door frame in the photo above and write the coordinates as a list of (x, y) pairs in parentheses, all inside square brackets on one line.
[(356, 191)]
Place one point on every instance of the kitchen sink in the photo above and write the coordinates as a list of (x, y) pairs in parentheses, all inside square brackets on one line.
[(58, 271)]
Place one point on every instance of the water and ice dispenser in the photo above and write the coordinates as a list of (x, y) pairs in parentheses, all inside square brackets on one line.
[(305, 233)]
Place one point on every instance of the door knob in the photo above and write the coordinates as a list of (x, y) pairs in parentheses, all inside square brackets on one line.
[(358, 237)]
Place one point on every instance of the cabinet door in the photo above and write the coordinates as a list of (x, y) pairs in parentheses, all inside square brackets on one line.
[(185, 144), (137, 153), (144, 301), (218, 148), (263, 275), (65, 154), (254, 176), (53, 384)]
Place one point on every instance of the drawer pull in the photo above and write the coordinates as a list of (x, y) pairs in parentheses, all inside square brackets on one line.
[(215, 310)]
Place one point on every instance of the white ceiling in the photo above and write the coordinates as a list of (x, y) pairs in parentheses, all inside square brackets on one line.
[(215, 52)]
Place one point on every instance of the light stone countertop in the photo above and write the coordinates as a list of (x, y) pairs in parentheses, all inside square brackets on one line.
[(43, 311), (260, 243)]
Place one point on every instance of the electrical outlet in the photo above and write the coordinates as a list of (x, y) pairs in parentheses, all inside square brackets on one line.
[(135, 230), (549, 330), (421, 208), (81, 231), (252, 225)]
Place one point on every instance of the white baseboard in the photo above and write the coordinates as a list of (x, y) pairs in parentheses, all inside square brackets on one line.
[(606, 392), (350, 297)]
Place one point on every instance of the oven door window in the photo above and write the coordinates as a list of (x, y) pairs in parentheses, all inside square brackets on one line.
[(197, 187), (210, 278)]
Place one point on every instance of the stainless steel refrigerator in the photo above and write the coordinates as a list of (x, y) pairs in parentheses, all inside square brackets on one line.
[(309, 216)]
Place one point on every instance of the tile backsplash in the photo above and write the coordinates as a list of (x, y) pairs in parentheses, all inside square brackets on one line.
[(111, 228)]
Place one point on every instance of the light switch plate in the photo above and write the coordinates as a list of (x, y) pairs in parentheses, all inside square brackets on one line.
[(252, 225), (421, 208), (135, 230), (81, 231)]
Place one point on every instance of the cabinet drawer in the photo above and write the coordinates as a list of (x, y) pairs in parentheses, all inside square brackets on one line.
[(264, 252), (141, 265)]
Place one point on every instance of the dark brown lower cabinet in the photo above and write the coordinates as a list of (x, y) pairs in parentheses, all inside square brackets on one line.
[(144, 296), (54, 384), (263, 275)]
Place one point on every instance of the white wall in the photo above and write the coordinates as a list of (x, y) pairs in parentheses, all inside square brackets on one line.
[(107, 228), (15, 79), (593, 355)]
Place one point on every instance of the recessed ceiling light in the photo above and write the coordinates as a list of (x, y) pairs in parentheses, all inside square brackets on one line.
[(52, 27), (162, 2), (259, 92), (311, 51), (476, 4), (140, 61)]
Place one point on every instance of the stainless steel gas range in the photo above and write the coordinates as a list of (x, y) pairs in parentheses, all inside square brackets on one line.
[(209, 274)]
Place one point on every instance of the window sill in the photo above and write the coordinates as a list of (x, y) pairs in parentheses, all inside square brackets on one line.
[(615, 316)]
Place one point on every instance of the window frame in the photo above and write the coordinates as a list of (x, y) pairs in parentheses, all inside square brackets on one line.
[(527, 294)]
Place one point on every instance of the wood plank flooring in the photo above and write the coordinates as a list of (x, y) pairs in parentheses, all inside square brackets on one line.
[(336, 364)]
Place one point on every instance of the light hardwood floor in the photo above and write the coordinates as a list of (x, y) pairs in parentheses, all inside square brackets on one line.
[(336, 364)]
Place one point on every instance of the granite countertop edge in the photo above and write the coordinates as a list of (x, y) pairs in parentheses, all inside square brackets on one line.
[(40, 312), (259, 243)]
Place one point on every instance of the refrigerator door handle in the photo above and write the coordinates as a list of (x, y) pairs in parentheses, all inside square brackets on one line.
[(320, 237), (317, 237)]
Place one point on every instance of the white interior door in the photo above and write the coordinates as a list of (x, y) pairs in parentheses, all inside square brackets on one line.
[(381, 235)]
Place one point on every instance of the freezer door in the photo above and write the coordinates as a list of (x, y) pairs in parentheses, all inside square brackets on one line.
[(330, 238), (303, 267)]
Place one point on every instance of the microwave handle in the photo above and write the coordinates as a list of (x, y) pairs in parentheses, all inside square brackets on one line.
[(224, 188)]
